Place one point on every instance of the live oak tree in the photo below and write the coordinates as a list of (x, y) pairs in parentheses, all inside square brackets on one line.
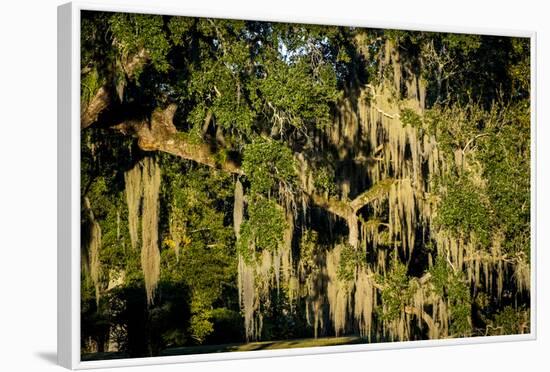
[(248, 180)]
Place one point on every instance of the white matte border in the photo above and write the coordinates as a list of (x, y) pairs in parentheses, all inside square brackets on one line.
[(69, 171)]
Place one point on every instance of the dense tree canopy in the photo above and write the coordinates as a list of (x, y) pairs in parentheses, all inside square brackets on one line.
[(246, 181)]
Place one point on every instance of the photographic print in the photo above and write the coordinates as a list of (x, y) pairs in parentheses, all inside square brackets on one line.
[(250, 185)]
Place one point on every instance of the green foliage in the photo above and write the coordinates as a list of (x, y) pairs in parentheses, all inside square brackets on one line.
[(219, 89), (456, 125), (324, 181), (410, 117), (110, 211), (89, 85), (264, 228), (497, 144), (506, 158), (460, 306), (268, 221), (350, 260), (132, 32), (95, 48), (461, 43), (397, 291), (309, 250), (520, 71), (244, 244), (200, 325), (268, 163), (451, 285), (206, 263), (464, 210), (510, 321), (238, 74), (283, 90), (460, 67), (180, 27), (440, 276)]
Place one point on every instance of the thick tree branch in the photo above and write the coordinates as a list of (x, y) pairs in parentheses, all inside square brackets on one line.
[(344, 208), (99, 102), (335, 206), (91, 110), (375, 192), (411, 310), (160, 134), (348, 210)]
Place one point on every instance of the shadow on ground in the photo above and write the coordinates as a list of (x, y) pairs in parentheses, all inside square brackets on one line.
[(48, 356), (251, 346)]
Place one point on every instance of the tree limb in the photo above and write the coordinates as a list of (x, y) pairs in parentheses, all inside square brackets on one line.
[(335, 206), (99, 102), (472, 140), (375, 192), (411, 310), (90, 112), (348, 210), (159, 134)]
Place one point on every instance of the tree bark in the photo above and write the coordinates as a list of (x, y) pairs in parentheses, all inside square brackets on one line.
[(98, 103), (159, 134), (353, 227), (103, 98), (348, 210), (424, 316)]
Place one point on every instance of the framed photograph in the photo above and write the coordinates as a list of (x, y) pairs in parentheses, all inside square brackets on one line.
[(246, 186)]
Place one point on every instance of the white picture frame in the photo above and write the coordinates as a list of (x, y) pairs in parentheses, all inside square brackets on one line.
[(69, 190)]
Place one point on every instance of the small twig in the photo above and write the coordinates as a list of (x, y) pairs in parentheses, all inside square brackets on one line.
[(472, 141), (394, 116)]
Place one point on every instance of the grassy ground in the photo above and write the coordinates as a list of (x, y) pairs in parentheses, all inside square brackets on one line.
[(264, 345), (250, 346)]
